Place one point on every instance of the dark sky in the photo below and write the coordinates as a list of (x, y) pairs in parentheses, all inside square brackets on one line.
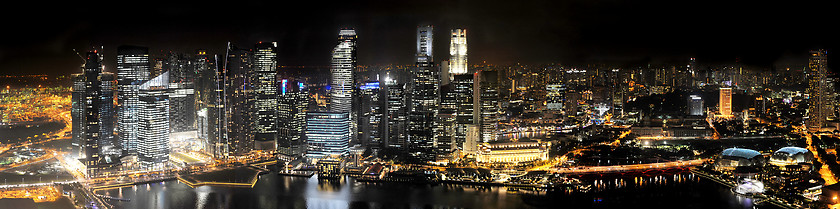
[(39, 38)]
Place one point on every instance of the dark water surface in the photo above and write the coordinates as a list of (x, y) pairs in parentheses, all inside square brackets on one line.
[(274, 191)]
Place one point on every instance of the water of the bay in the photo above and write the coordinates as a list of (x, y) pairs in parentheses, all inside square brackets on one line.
[(274, 191)]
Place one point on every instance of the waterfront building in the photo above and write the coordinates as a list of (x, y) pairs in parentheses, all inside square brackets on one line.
[(133, 68), (181, 91), (153, 122), (370, 115), (238, 102), (731, 159), (791, 156), (512, 152), (291, 120), (327, 134), (265, 91)]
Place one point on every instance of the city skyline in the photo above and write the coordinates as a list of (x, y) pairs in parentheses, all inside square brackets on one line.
[(549, 32), (586, 104)]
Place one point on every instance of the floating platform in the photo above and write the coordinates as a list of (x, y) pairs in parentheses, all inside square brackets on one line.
[(235, 177)]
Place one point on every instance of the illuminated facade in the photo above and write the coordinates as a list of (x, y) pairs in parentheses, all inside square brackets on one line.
[(238, 100), (293, 105), (327, 134), (695, 105), (512, 152), (265, 91), (370, 114), (343, 64), (725, 102), (458, 52), (555, 96), (463, 87), (133, 69), (395, 120), (153, 123), (92, 69), (181, 92), (487, 104), (425, 98), (819, 106)]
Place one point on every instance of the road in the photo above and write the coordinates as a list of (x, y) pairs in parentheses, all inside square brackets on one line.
[(628, 168)]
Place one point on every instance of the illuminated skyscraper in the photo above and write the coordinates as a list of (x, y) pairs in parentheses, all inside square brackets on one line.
[(458, 52), (291, 122), (265, 91), (208, 104), (327, 133), (463, 87), (395, 104), (343, 64), (91, 156), (370, 114), (487, 103), (819, 106), (425, 98), (108, 114), (238, 100), (153, 122), (726, 102), (181, 91), (77, 113), (132, 70)]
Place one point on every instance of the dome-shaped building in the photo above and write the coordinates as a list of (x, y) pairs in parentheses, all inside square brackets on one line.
[(791, 156), (733, 158)]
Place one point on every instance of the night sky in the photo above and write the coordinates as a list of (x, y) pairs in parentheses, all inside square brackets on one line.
[(39, 38)]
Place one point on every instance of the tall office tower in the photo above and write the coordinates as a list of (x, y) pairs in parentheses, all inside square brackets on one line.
[(555, 96), (181, 91), (132, 70), (696, 76), (77, 113), (153, 123), (108, 115), (487, 104), (291, 120), (725, 102), (265, 91), (92, 102), (395, 130), (343, 64), (327, 134), (695, 105), (238, 101), (370, 115), (425, 100), (446, 122), (819, 105), (463, 85), (458, 52), (207, 105)]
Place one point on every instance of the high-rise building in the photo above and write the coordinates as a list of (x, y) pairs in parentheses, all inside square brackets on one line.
[(395, 130), (108, 115), (153, 122), (819, 105), (265, 91), (463, 87), (343, 64), (91, 156), (77, 113), (132, 70), (725, 102), (458, 52), (695, 105), (327, 134), (487, 103), (291, 120), (238, 101), (425, 100), (181, 91), (208, 105), (370, 115)]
